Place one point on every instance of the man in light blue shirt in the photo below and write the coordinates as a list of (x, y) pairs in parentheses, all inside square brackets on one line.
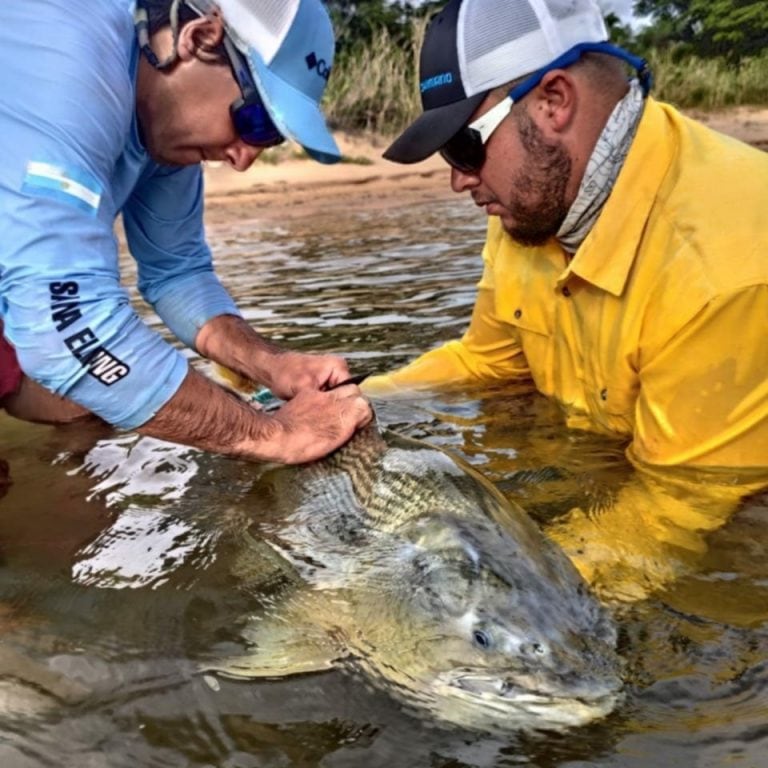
[(110, 110)]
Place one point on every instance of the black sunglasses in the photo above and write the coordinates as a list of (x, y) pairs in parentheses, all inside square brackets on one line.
[(249, 115), (465, 150)]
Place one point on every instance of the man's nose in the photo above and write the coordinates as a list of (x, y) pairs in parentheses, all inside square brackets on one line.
[(461, 181), (241, 155)]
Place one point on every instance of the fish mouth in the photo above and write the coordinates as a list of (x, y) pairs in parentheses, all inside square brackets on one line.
[(498, 702), (601, 695)]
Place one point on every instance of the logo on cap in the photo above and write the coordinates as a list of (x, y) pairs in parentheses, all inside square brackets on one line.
[(319, 66), (444, 78)]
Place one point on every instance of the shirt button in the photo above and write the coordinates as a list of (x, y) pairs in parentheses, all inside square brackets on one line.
[(566, 291), (518, 313), (603, 394)]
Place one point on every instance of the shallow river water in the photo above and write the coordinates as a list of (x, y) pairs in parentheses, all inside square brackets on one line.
[(113, 580)]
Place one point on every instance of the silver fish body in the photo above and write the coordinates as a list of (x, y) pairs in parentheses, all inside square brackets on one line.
[(412, 569)]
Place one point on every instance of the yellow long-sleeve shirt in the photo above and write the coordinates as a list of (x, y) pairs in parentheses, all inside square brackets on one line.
[(657, 328)]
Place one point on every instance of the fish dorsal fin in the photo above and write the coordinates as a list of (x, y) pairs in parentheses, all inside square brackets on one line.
[(279, 644)]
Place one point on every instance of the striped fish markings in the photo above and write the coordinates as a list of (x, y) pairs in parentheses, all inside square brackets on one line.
[(407, 567)]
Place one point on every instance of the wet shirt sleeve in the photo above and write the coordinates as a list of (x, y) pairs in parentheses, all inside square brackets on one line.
[(654, 531), (489, 350), (63, 307)]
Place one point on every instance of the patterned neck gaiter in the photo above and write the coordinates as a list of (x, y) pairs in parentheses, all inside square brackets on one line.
[(602, 169)]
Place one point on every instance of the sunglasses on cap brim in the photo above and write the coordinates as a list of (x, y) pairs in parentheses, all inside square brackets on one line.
[(465, 150), (249, 115)]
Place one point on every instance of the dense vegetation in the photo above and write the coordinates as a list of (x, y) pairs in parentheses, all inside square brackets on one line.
[(704, 53)]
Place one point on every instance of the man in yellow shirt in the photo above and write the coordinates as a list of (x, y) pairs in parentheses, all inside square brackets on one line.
[(625, 267)]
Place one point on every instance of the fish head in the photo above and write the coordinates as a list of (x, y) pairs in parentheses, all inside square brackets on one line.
[(494, 629)]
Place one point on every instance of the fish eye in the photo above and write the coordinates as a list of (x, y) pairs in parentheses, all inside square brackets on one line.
[(481, 639)]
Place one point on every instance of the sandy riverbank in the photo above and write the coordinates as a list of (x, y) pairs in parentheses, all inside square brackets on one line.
[(290, 186), (297, 186)]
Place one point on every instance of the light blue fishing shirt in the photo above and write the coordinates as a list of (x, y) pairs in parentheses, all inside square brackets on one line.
[(71, 160)]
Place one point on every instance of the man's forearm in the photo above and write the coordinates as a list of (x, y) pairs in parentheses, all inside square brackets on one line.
[(229, 340), (206, 416)]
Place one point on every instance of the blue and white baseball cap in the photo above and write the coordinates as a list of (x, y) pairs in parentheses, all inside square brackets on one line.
[(289, 45)]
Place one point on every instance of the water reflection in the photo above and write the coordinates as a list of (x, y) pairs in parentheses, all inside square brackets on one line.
[(116, 574)]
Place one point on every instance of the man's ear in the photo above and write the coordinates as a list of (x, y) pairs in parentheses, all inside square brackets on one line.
[(555, 100), (199, 38)]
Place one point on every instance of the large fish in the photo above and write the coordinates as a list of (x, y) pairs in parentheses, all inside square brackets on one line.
[(404, 564)]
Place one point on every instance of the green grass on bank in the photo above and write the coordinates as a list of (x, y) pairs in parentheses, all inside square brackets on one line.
[(376, 88), (710, 83)]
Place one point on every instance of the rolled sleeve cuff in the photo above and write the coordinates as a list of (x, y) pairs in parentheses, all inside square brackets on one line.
[(191, 303)]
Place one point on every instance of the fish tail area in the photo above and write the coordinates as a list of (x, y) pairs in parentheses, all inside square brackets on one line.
[(235, 381)]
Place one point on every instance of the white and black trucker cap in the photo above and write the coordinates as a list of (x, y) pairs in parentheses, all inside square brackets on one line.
[(473, 46)]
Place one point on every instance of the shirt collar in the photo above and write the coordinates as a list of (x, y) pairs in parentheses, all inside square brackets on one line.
[(608, 252)]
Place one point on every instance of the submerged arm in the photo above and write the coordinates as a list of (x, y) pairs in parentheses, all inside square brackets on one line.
[(655, 531)]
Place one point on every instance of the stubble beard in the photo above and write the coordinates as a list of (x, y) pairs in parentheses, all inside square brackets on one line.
[(538, 191)]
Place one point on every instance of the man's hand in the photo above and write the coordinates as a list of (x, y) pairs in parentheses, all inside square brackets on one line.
[(231, 342), (294, 372), (316, 420), (313, 423)]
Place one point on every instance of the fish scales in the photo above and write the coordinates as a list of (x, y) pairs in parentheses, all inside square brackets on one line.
[(382, 476)]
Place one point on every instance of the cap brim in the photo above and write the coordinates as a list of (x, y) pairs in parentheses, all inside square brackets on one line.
[(296, 115), (431, 130)]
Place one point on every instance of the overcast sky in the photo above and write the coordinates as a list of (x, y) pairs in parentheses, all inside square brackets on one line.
[(622, 8)]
